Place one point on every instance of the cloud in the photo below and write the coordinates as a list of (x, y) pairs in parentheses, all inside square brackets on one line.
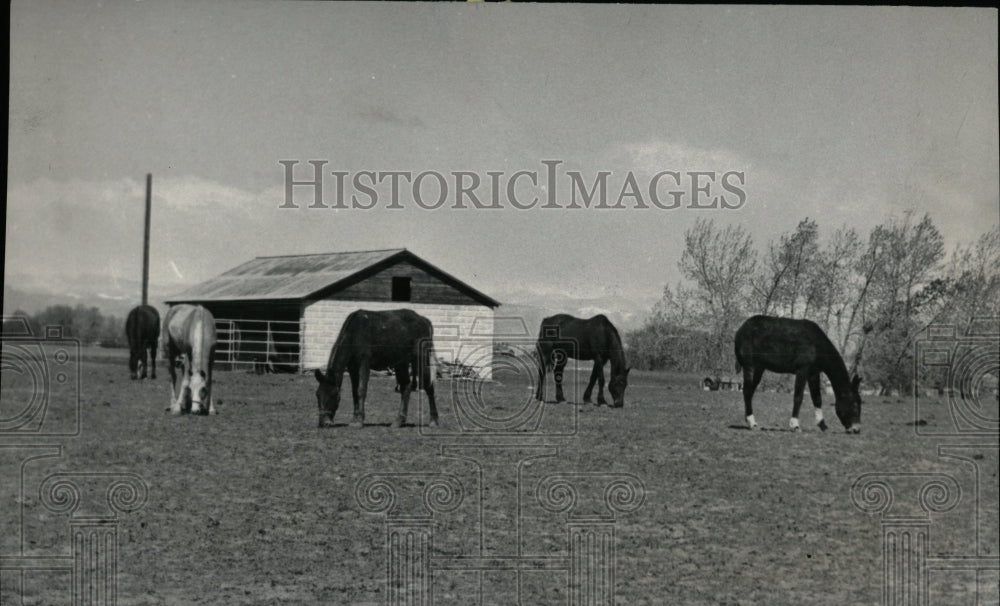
[(656, 155), (384, 115), (79, 227)]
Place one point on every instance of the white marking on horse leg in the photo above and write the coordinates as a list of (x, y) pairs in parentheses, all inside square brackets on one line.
[(819, 415), (793, 424), (178, 407), (177, 403), (751, 422)]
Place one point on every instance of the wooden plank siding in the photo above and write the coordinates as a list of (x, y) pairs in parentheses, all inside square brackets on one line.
[(424, 288)]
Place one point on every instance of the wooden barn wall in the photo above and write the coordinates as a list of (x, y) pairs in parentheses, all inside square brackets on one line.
[(236, 310), (424, 288), (461, 332)]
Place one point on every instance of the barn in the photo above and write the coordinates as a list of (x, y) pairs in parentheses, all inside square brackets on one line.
[(285, 312)]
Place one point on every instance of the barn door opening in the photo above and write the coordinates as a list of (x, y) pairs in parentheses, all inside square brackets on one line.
[(400, 288)]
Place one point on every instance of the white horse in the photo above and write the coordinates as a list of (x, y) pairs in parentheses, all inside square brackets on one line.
[(190, 332)]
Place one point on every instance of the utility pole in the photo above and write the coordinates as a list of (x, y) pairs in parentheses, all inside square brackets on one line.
[(145, 240)]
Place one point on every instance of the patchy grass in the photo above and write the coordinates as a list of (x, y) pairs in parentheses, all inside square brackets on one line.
[(257, 506)]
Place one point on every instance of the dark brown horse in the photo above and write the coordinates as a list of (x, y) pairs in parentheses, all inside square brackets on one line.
[(798, 347), (562, 336), (400, 339), (142, 329)]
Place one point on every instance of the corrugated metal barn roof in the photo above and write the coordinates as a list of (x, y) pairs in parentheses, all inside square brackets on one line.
[(301, 276)]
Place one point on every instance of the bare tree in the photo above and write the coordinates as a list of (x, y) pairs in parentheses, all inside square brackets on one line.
[(788, 275), (974, 271), (906, 295), (720, 263)]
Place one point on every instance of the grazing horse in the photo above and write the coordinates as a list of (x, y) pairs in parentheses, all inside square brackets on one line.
[(190, 339), (400, 339), (142, 329), (562, 336), (798, 347)]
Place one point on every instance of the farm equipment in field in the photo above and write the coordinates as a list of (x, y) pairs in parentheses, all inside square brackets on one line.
[(718, 384)]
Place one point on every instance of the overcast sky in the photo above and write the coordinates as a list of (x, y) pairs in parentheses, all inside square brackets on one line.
[(847, 116)]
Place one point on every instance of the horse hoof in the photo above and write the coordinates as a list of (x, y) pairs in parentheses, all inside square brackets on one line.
[(357, 424), (822, 425), (434, 423), (755, 427), (396, 424), (796, 429)]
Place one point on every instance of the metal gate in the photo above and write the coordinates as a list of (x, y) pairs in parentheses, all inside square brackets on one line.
[(257, 345)]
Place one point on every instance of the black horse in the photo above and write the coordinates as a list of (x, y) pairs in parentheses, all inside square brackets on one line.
[(562, 336), (142, 329), (798, 347), (378, 340)]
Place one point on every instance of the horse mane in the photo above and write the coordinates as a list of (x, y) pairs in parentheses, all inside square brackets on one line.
[(835, 367), (618, 351), (338, 344)]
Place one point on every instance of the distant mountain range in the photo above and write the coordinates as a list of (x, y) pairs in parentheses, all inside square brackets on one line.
[(117, 296), (112, 296)]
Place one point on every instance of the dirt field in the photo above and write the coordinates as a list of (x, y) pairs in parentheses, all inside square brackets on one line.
[(257, 506)]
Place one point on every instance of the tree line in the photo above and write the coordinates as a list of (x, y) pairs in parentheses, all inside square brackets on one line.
[(874, 296), (87, 324)]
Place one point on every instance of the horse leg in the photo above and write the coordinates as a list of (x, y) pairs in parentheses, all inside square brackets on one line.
[(751, 378), (171, 362), (428, 381), (179, 404), (590, 384), (364, 373), (557, 371), (358, 419), (133, 363), (211, 401), (141, 360), (600, 385), (800, 385), (542, 366), (403, 381), (817, 399)]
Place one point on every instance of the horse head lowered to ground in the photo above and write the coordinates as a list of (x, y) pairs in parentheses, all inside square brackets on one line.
[(562, 336), (190, 340), (400, 340)]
